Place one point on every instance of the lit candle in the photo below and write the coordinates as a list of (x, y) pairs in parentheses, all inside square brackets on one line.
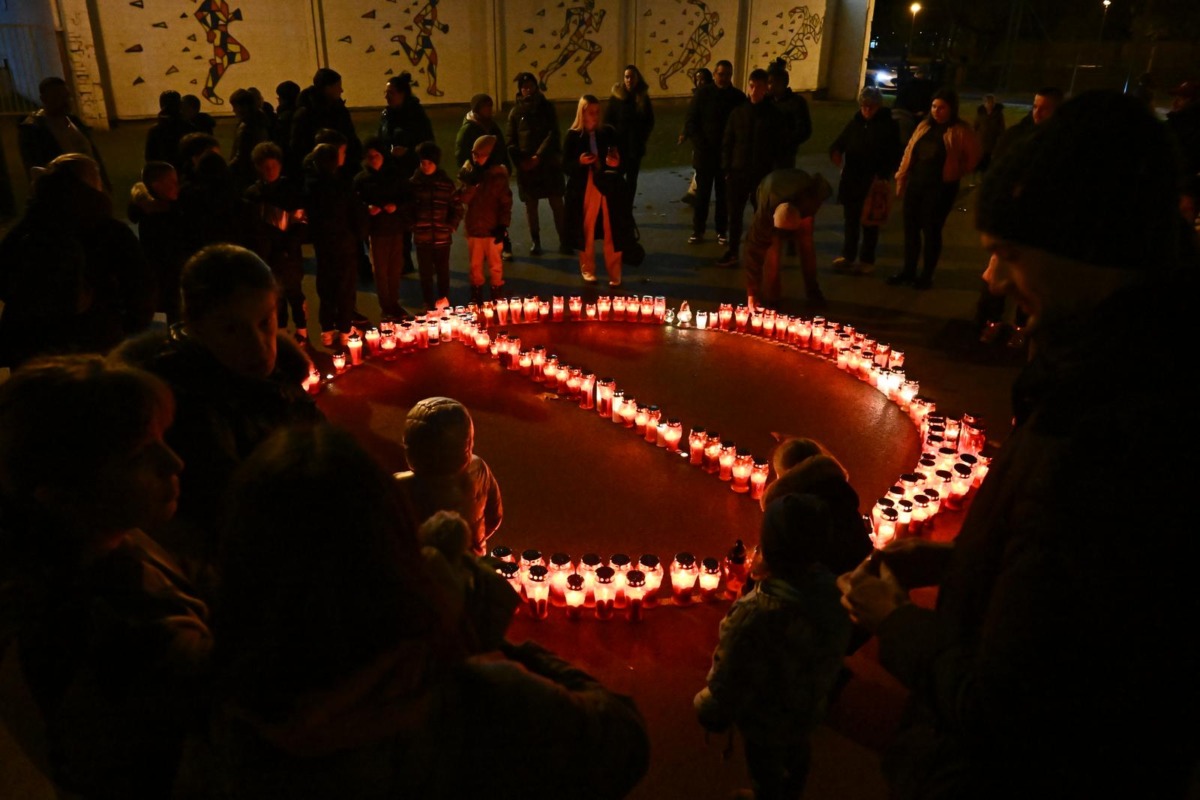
[(550, 370), (557, 304), (641, 417), (371, 337), (355, 346), (499, 346), (660, 309), (560, 378), (635, 591), (543, 311), (920, 512), (712, 453), (387, 345), (618, 404), (560, 568), (532, 309), (445, 334), (587, 568), (710, 579), (697, 438), (604, 396), (650, 431), (741, 316), (489, 313), (433, 332), (525, 362), (587, 390), (409, 338), (724, 315), (312, 384), (537, 591), (683, 578), (618, 307), (631, 309), (684, 317), (648, 307), (768, 323), (629, 412), (339, 361), (514, 310), (538, 363), (605, 593), (576, 306), (896, 360), (514, 353), (589, 312), (726, 459), (673, 435), (620, 563), (605, 306), (650, 567), (881, 505), (756, 320), (960, 485), (511, 572), (885, 529), (575, 595), (743, 464), (701, 320), (846, 357), (529, 559), (735, 569), (502, 311), (758, 479), (574, 381)]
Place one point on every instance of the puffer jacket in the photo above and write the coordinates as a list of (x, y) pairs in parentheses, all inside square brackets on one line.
[(962, 153), (487, 195), (870, 149), (632, 115), (754, 141), (379, 188), (433, 210), (533, 130)]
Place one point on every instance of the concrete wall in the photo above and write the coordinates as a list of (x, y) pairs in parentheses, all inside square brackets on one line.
[(453, 48), (28, 49)]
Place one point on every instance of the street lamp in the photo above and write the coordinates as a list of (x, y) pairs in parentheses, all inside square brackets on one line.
[(1104, 17), (915, 8), (1075, 70)]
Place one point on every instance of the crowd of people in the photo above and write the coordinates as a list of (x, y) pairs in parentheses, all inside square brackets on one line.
[(187, 628)]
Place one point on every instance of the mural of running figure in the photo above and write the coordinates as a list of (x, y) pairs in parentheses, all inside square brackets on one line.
[(697, 52), (426, 22), (580, 21), (214, 17), (805, 26)]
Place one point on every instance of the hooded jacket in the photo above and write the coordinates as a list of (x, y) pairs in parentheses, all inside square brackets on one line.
[(533, 130)]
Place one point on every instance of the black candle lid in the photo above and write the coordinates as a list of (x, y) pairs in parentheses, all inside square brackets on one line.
[(538, 572), (649, 561), (508, 568), (591, 559), (605, 574), (685, 559), (711, 565), (575, 581), (531, 555), (560, 559), (502, 552), (635, 578), (619, 560)]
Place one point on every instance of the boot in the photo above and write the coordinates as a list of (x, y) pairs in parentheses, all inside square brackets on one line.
[(477, 294), (497, 291), (535, 249)]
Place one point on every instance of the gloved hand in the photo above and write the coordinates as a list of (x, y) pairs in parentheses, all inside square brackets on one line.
[(498, 233)]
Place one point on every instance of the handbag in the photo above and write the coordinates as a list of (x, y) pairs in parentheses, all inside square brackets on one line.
[(878, 203)]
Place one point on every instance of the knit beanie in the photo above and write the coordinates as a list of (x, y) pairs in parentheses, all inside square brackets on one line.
[(484, 145), (438, 436), (795, 533), (1096, 183), (480, 100)]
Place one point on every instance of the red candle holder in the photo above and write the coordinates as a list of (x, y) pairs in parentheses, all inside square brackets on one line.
[(556, 308), (697, 438), (724, 316), (574, 596), (604, 396), (605, 592), (620, 564), (741, 316), (635, 591), (537, 591), (726, 459), (673, 435), (588, 564), (604, 304), (651, 568), (709, 579), (618, 405), (650, 430), (560, 569), (758, 479), (712, 453), (683, 578), (575, 304)]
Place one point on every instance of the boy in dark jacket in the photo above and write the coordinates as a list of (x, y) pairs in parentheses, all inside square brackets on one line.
[(276, 231), (336, 225), (154, 208), (433, 211), (485, 190), (380, 187)]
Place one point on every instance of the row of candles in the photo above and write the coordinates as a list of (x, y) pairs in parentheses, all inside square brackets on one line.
[(617, 583), (951, 462)]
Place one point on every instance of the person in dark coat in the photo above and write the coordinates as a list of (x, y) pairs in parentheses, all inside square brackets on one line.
[(190, 108), (53, 130), (402, 126), (381, 189), (483, 187), (481, 121), (794, 108), (754, 143), (1184, 121), (536, 150), (321, 106), (210, 201), (786, 203), (867, 149), (989, 127), (630, 112), (162, 232), (253, 128), (433, 212), (72, 278), (287, 94), (1052, 665), (276, 229), (336, 227), (236, 379), (707, 114), (595, 191), (162, 140)]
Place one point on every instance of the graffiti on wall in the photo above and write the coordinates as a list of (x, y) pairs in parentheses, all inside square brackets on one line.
[(692, 46), (789, 35), (214, 16)]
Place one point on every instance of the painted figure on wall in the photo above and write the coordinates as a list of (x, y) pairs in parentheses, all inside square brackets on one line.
[(426, 22), (214, 17), (581, 21), (805, 27), (697, 52)]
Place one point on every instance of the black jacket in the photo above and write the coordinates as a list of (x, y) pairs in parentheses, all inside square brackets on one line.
[(799, 123), (606, 179), (336, 217), (405, 126), (387, 186), (870, 149), (755, 141), (162, 140), (533, 130), (313, 112), (707, 114), (632, 115), (39, 147)]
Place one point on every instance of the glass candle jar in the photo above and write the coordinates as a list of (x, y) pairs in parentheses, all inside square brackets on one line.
[(683, 578), (604, 304), (635, 591), (604, 396), (673, 435), (743, 464), (529, 559), (503, 552), (543, 311), (525, 363), (588, 564), (433, 332), (339, 361), (511, 572), (605, 592), (726, 459), (550, 371), (502, 311), (489, 313), (768, 322), (724, 316), (697, 438), (532, 309), (560, 568), (741, 316), (709, 579), (712, 453), (629, 412), (537, 591), (650, 431), (756, 320), (354, 345), (561, 375), (587, 391), (620, 563), (574, 382), (647, 307), (371, 339), (640, 419), (885, 529), (758, 479), (701, 320), (539, 363), (575, 304), (574, 596), (660, 309), (618, 405), (651, 567), (589, 312), (618, 307), (556, 308)]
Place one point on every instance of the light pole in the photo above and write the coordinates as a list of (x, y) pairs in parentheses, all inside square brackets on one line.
[(1103, 18), (915, 8)]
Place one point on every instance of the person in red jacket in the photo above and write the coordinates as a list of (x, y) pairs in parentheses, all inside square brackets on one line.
[(483, 183)]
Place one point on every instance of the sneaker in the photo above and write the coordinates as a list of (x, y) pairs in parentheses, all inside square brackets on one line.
[(922, 283), (841, 263), (901, 278), (696, 238), (535, 249), (588, 277), (301, 335), (616, 287), (730, 259), (327, 338), (722, 239), (863, 268), (506, 255)]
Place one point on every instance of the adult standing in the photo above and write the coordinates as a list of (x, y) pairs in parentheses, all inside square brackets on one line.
[(1184, 121), (402, 126), (1052, 665), (631, 114), (382, 188), (592, 157), (754, 143), (162, 140), (536, 150), (253, 129), (989, 127), (53, 130), (794, 108), (787, 200), (480, 120), (867, 150), (321, 106), (707, 114), (941, 151)]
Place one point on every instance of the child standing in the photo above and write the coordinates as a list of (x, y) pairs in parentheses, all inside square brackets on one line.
[(433, 212), (380, 187), (445, 473), (276, 232), (336, 228), (484, 188), (154, 208), (780, 650)]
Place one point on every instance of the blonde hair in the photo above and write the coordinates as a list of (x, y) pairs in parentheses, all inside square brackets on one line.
[(584, 101)]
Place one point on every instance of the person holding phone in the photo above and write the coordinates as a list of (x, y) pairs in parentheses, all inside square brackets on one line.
[(592, 158)]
